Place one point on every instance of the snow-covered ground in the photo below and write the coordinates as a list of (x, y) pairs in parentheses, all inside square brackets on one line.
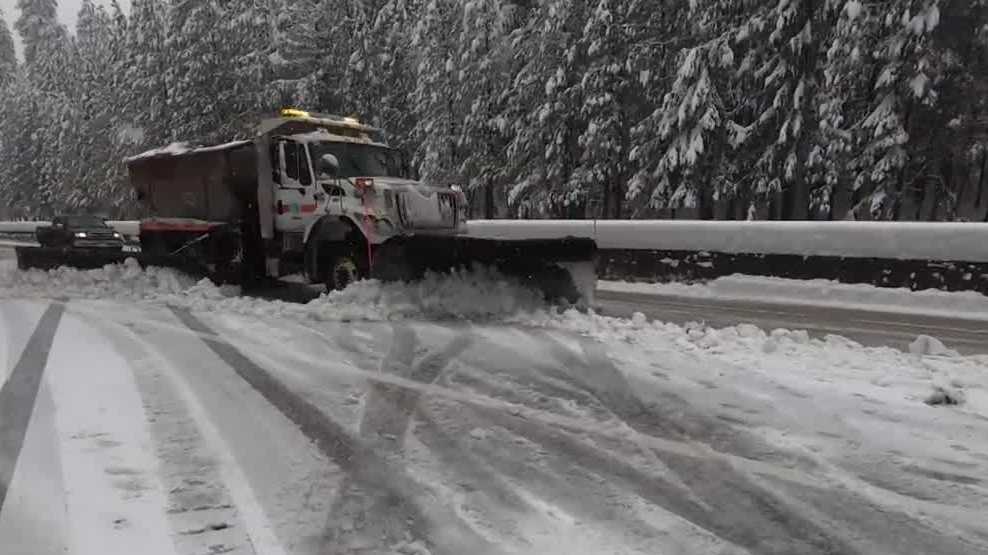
[(818, 292), (461, 415)]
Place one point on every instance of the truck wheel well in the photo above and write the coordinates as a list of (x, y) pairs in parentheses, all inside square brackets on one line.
[(328, 239), (334, 230)]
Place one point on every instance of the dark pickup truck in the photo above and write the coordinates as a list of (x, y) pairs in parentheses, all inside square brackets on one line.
[(79, 232)]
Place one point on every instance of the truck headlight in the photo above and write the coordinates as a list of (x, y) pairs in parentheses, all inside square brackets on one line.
[(81, 235), (117, 235)]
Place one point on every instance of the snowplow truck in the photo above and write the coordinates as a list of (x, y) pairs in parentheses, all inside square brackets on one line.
[(326, 197)]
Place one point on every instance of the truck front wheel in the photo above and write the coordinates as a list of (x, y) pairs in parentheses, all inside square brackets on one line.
[(335, 264), (343, 273)]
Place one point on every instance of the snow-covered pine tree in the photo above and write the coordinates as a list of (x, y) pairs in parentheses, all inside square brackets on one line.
[(47, 55), (248, 26), (484, 59), (100, 137), (310, 52), (679, 147), (20, 108), (145, 90), (905, 88), (37, 24), (847, 63), (50, 72), (609, 99), (8, 57), (780, 73), (200, 74), (380, 71), (545, 107), (524, 90), (359, 83), (437, 125), (961, 107)]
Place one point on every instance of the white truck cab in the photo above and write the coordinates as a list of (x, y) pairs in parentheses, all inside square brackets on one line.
[(339, 190)]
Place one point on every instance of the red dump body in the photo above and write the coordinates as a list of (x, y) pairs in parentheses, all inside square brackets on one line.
[(206, 184)]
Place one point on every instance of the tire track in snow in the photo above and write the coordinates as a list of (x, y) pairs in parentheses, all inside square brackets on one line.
[(371, 471), (34, 519), (724, 483), (714, 482), (384, 424), (19, 393), (520, 481), (201, 509), (463, 473), (388, 409), (666, 416), (488, 492)]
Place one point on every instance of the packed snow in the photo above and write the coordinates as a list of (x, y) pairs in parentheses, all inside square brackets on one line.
[(818, 292), (543, 430)]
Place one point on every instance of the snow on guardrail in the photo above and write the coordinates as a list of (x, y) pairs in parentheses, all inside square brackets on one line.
[(890, 240)]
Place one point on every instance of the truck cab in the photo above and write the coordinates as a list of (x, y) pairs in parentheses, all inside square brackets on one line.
[(340, 191)]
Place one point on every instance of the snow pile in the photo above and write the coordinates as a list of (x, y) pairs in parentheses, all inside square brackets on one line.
[(481, 293), (925, 345), (478, 294), (833, 365), (127, 281), (819, 292)]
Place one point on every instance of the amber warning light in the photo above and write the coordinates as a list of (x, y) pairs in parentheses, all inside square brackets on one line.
[(294, 113)]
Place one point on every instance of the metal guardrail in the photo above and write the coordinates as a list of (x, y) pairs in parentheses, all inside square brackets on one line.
[(887, 240)]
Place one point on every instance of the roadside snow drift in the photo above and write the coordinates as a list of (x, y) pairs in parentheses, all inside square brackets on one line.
[(818, 292), (127, 281)]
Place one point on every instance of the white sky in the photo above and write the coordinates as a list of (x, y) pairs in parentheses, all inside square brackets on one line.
[(67, 11)]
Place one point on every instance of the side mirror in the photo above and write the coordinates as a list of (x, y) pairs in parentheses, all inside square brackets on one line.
[(329, 165)]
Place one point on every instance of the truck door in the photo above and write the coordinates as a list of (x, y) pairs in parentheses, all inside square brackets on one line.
[(295, 201)]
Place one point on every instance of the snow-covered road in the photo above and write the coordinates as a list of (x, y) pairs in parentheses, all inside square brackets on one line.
[(141, 413)]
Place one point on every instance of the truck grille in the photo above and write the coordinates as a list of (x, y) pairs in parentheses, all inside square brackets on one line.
[(417, 211), (97, 243), (102, 235)]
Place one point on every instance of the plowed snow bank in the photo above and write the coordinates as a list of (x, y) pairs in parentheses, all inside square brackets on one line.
[(478, 294)]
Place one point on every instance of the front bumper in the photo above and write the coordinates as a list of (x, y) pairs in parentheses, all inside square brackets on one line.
[(97, 244)]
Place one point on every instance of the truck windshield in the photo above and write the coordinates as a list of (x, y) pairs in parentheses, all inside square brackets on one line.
[(358, 160)]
